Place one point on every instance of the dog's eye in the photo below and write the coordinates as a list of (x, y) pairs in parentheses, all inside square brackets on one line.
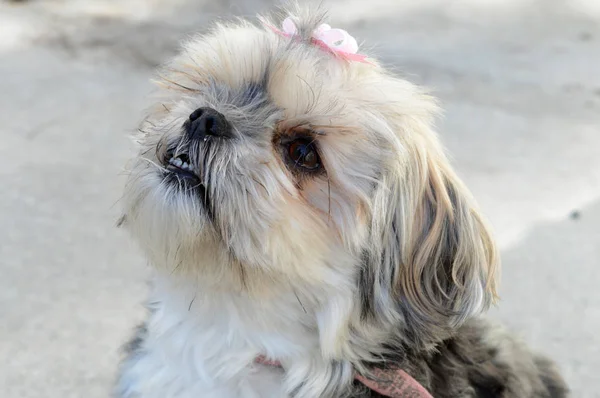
[(303, 154)]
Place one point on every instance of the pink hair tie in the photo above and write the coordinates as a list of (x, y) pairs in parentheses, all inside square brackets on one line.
[(337, 41)]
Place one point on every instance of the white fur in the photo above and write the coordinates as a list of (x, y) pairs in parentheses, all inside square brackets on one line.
[(203, 343)]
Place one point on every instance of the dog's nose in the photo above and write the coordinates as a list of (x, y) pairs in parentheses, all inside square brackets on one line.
[(207, 121)]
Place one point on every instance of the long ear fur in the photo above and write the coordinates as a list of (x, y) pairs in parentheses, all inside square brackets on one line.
[(433, 262)]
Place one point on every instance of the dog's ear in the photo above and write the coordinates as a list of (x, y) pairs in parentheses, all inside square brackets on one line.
[(434, 258)]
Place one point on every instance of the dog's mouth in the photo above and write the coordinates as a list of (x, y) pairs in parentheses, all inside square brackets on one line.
[(180, 171), (182, 166)]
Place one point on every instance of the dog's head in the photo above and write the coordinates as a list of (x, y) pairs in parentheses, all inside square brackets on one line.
[(270, 157)]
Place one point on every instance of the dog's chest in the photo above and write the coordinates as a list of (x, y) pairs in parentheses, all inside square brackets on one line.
[(206, 345)]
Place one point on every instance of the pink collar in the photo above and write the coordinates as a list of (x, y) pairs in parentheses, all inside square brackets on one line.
[(392, 383)]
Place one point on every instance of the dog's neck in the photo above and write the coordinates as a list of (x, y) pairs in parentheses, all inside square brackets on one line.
[(211, 333), (223, 332), (280, 324)]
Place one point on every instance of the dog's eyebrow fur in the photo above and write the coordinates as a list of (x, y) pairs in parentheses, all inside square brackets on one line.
[(251, 92)]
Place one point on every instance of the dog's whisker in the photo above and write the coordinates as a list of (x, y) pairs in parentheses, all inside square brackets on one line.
[(153, 163), (300, 301), (328, 199)]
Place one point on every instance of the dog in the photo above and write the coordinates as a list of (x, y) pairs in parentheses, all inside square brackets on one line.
[(307, 234)]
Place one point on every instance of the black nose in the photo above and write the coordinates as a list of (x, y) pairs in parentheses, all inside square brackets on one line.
[(207, 121)]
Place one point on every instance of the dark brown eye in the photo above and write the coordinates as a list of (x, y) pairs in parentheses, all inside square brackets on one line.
[(303, 154)]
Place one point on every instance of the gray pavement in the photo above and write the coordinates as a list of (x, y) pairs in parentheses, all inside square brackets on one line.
[(520, 85)]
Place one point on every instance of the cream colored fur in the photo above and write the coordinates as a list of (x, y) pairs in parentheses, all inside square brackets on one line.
[(315, 271)]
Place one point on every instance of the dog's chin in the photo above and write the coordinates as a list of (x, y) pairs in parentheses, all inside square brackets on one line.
[(168, 209)]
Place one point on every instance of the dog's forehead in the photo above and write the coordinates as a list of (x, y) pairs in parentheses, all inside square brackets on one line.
[(296, 77), (302, 81)]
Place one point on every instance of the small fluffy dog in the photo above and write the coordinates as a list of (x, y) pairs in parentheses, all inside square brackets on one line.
[(307, 232)]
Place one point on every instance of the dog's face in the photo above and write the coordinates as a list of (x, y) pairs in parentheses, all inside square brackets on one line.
[(269, 156)]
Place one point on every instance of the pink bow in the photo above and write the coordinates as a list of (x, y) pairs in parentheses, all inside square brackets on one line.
[(336, 41)]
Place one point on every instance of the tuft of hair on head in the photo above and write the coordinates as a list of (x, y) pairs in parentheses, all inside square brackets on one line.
[(307, 17)]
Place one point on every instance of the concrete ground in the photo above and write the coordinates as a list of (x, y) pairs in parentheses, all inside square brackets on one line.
[(518, 79)]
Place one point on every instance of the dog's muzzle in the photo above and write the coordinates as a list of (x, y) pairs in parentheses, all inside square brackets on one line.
[(182, 161)]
